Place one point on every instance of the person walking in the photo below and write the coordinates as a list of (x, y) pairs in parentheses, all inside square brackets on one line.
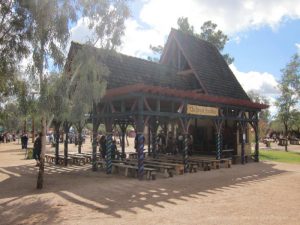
[(37, 148)]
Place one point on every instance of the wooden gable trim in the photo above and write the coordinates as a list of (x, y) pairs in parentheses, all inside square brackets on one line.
[(166, 49), (190, 65)]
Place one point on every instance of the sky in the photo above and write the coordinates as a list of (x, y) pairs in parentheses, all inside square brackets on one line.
[(264, 34)]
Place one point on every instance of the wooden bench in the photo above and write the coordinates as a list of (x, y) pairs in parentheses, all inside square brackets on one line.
[(192, 166), (168, 171), (77, 159), (150, 172), (49, 158), (179, 168), (227, 162), (215, 163), (61, 159)]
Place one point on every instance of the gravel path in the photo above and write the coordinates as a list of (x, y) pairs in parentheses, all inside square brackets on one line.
[(255, 193)]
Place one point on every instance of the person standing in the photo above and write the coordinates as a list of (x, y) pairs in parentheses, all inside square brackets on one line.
[(103, 146), (37, 148), (25, 141)]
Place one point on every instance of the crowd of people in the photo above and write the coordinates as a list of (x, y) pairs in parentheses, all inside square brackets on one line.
[(170, 144), (7, 137)]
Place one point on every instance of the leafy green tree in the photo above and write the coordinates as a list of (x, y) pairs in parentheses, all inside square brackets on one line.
[(215, 37), (48, 23), (11, 117), (58, 102), (49, 26), (264, 115), (88, 73), (88, 85), (287, 99), (14, 37), (294, 73), (295, 121)]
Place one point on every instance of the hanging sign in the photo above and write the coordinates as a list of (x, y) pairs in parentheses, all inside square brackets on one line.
[(202, 110)]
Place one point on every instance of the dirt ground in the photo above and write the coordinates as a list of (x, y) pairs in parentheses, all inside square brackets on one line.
[(255, 193)]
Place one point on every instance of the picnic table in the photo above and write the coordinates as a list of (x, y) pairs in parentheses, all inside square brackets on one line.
[(130, 169), (283, 141), (294, 141), (167, 170)]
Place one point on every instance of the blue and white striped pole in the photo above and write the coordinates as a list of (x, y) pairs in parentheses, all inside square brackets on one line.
[(185, 153), (108, 153), (140, 156), (218, 145)]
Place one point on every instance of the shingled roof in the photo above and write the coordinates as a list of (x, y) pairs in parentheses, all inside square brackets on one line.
[(208, 65), (126, 70), (211, 79)]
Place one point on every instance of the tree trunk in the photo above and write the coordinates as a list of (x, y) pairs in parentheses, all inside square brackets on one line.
[(79, 140), (33, 133), (40, 179), (66, 130), (285, 135), (25, 126), (57, 135)]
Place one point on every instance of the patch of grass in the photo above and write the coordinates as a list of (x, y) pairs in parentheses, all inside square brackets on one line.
[(280, 156)]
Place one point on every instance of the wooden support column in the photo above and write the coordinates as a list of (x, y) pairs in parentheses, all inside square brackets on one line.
[(123, 126), (140, 138), (243, 125), (256, 154), (96, 123), (154, 127), (66, 126), (254, 124), (149, 139), (108, 153), (109, 128), (185, 123), (218, 126)]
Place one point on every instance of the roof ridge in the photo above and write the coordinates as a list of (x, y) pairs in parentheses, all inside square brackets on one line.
[(124, 55), (198, 39)]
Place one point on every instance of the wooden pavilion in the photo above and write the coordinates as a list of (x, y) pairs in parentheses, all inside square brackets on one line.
[(191, 90)]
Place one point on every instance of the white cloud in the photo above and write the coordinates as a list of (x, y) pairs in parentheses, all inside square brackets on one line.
[(263, 83), (137, 39), (298, 47), (231, 16), (80, 32)]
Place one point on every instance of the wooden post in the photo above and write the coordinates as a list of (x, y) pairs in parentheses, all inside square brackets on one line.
[(140, 155), (67, 126), (185, 152), (108, 153), (243, 128), (149, 138), (154, 127), (123, 126), (33, 133), (140, 138), (96, 124), (185, 123), (218, 126), (256, 154)]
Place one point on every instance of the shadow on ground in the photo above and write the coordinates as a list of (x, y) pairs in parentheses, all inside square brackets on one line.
[(112, 194)]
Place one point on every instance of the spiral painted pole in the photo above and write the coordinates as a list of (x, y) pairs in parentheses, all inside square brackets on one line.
[(108, 153), (185, 153), (218, 145), (243, 146), (221, 143), (256, 154), (140, 156)]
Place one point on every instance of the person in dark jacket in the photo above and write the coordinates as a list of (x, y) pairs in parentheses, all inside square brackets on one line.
[(102, 148), (37, 148)]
